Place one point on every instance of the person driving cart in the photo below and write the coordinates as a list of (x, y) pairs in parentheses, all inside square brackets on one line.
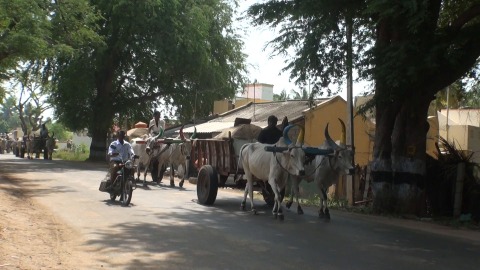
[(118, 151)]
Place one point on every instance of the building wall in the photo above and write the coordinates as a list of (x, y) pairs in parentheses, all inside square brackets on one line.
[(244, 101), (466, 138), (79, 138), (221, 106), (258, 91), (329, 112)]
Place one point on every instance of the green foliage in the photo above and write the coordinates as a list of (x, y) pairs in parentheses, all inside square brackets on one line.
[(402, 45), (71, 155), (59, 131), (456, 98), (38, 29), (315, 31), (9, 115), (282, 96), (301, 94), (183, 53)]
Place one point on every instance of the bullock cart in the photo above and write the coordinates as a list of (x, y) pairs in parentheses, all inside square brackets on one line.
[(216, 161)]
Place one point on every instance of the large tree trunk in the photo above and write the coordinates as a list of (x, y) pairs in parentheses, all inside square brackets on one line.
[(102, 122), (103, 110), (398, 166)]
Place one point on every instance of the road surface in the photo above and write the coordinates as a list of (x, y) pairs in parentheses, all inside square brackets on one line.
[(165, 228)]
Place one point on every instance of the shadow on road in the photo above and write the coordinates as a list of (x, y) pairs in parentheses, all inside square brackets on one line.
[(165, 245)]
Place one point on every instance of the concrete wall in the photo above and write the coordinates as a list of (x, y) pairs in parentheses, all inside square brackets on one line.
[(243, 101), (221, 106), (464, 137), (258, 91), (329, 112), (81, 138)]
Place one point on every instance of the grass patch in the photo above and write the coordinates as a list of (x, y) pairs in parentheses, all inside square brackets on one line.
[(77, 155)]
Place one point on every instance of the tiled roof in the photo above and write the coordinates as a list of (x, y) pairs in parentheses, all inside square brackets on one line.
[(258, 113)]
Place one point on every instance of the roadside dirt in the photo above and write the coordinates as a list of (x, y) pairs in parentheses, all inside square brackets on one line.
[(31, 237)]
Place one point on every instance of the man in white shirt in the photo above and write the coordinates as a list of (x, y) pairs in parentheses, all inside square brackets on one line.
[(117, 151), (156, 124)]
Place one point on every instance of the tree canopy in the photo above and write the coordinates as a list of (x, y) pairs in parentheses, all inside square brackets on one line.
[(181, 52), (402, 41), (37, 29), (410, 49)]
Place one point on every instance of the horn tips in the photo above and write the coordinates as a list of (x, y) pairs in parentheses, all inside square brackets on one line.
[(285, 134)]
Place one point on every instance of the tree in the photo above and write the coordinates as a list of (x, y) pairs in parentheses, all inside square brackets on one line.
[(282, 96), (184, 52), (454, 94), (10, 118), (36, 29), (472, 97), (32, 102), (410, 49), (59, 131), (300, 94)]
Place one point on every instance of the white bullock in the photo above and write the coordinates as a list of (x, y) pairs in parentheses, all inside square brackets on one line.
[(177, 154), (325, 170), (148, 149), (273, 167)]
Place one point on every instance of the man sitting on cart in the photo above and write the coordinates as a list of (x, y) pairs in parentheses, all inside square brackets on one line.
[(271, 134), (156, 124)]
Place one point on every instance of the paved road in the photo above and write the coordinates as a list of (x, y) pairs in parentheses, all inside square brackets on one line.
[(165, 228)]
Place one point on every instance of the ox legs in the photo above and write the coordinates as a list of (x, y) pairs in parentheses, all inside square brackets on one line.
[(172, 172), (323, 201), (248, 190), (277, 207), (295, 191)]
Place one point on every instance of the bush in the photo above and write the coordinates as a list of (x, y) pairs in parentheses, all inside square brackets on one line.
[(66, 154)]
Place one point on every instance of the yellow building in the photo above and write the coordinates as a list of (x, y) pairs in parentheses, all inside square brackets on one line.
[(329, 111), (253, 92)]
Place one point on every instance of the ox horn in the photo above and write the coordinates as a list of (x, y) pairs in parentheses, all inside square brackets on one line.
[(301, 136), (194, 134), (329, 140), (285, 134), (343, 140), (182, 136)]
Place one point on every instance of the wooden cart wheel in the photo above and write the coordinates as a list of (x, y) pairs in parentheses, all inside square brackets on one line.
[(207, 185), (268, 195)]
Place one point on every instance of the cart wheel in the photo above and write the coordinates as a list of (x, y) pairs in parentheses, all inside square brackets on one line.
[(268, 195), (207, 185)]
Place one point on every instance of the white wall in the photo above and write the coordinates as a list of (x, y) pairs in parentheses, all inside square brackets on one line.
[(79, 139)]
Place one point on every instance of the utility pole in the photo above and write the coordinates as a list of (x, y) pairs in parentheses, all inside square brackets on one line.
[(350, 133), (254, 96)]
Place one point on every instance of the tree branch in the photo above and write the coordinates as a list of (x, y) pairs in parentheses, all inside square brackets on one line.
[(464, 18)]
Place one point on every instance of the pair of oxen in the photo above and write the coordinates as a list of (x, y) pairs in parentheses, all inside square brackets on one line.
[(36, 145), (164, 152), (286, 159)]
